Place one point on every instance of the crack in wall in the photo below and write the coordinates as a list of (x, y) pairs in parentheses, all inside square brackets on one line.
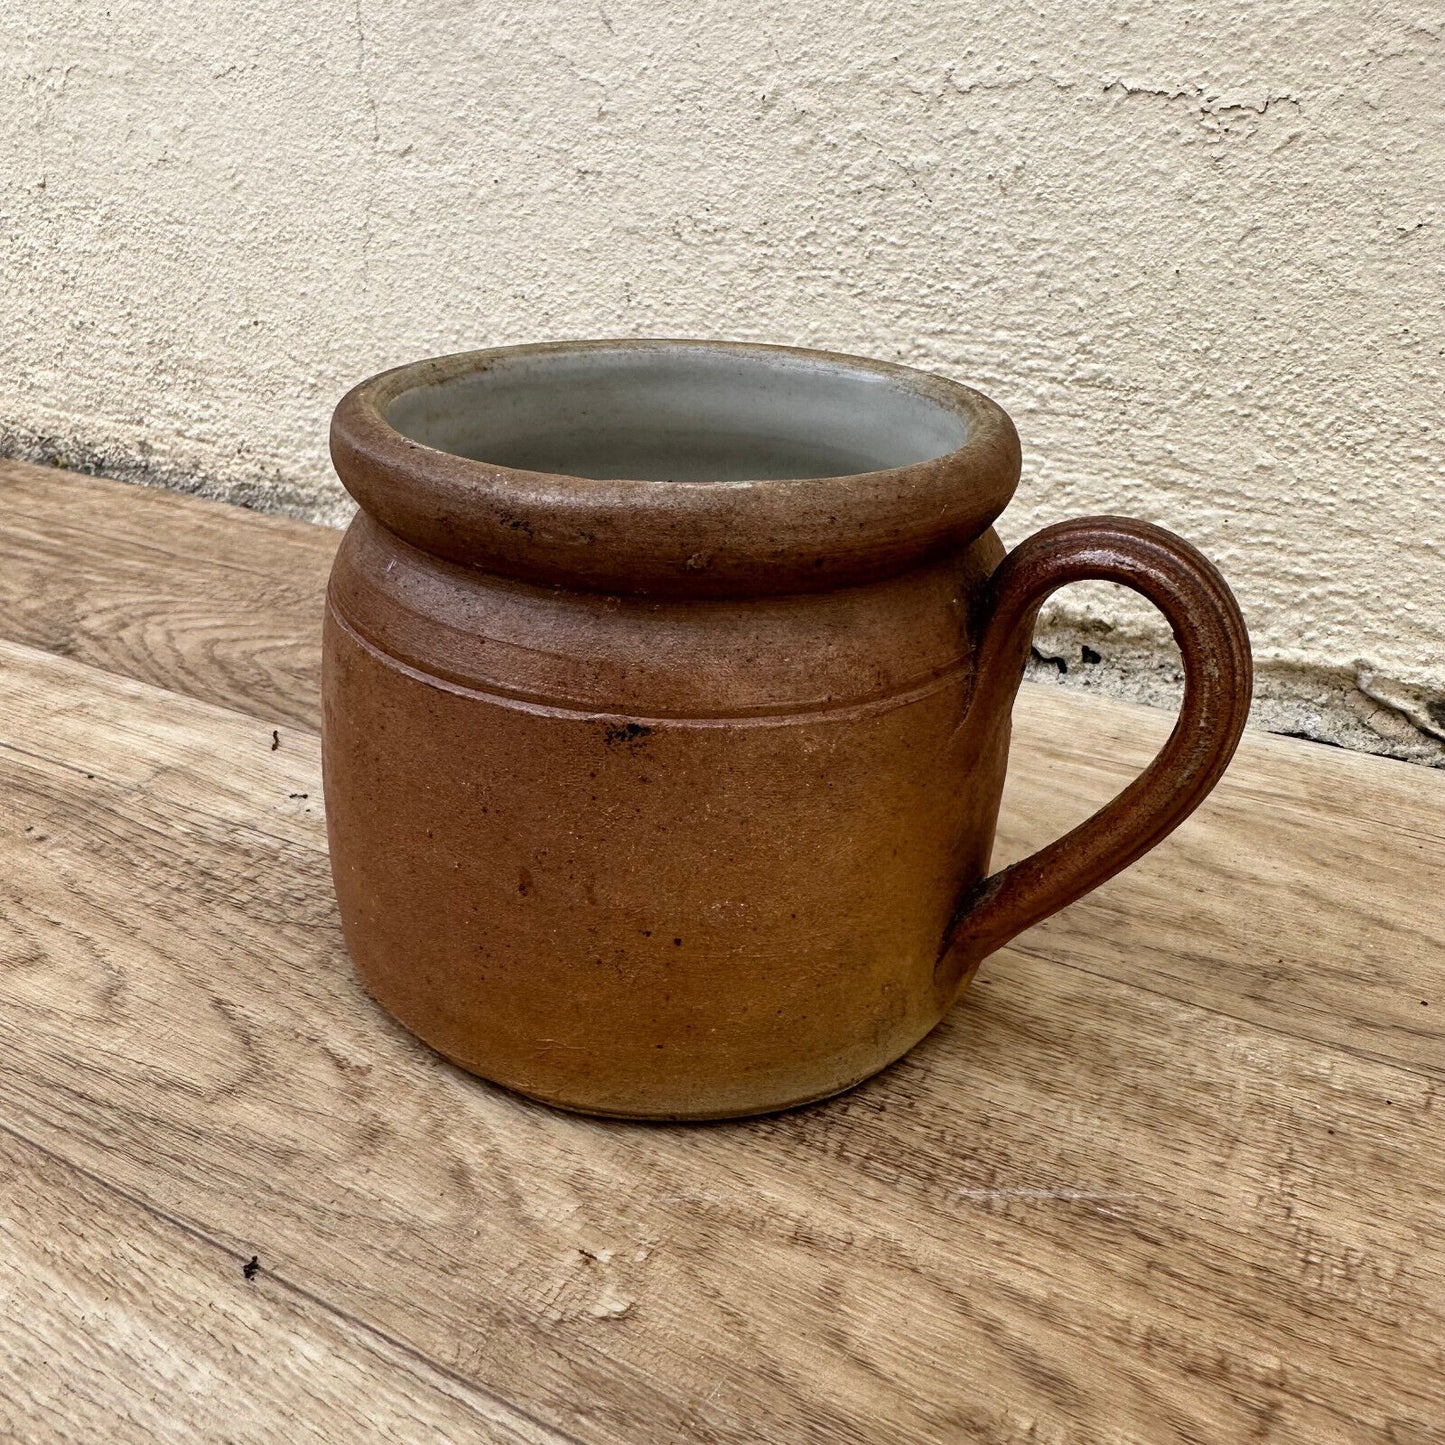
[(1207, 103), (1419, 708), (367, 237), (1216, 114)]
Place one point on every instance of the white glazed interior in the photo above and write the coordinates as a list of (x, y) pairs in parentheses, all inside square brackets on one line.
[(679, 413)]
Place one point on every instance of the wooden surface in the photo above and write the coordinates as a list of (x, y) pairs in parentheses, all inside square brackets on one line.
[(1173, 1171)]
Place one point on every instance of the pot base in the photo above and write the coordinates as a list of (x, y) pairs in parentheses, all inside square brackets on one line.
[(660, 1116)]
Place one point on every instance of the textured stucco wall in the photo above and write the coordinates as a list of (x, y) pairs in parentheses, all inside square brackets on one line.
[(1195, 249)]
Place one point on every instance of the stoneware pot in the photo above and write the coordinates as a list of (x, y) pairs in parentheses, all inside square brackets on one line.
[(667, 694)]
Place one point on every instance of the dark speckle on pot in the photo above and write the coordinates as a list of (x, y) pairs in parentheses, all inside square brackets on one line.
[(631, 732)]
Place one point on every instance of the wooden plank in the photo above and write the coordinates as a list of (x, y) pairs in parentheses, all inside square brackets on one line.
[(1258, 864), (193, 754), (1081, 1210), (1307, 895), (120, 1326), (221, 604), (205, 599)]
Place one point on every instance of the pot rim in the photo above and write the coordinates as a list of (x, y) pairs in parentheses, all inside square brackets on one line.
[(688, 538)]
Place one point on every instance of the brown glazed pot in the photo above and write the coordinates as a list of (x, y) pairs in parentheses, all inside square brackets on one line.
[(667, 695)]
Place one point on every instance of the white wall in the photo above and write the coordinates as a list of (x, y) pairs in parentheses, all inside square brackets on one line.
[(1195, 249)]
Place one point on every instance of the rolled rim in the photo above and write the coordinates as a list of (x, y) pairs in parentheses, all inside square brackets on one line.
[(701, 537)]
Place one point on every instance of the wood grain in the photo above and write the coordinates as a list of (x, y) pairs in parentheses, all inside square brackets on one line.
[(208, 600), (121, 1326), (1083, 1210), (1294, 850)]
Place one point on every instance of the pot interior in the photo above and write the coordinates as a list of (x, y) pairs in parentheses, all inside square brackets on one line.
[(679, 412)]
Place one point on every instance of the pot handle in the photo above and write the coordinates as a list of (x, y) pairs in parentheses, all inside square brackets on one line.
[(1218, 675)]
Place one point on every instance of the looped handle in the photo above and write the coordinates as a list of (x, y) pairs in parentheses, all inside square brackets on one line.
[(1218, 677)]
